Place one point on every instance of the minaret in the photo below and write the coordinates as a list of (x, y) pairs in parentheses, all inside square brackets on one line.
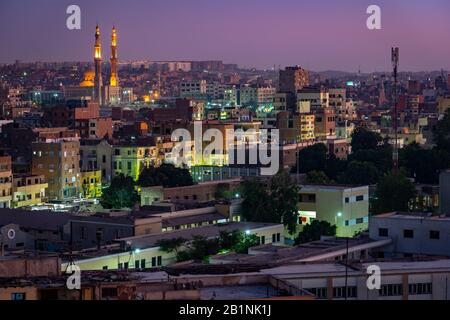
[(98, 67), (114, 79)]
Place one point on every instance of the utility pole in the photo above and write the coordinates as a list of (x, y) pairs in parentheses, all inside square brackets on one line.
[(395, 59)]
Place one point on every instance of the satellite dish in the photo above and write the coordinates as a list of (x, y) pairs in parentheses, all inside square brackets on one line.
[(11, 234)]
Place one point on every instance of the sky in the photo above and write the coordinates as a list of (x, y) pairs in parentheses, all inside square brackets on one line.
[(318, 35)]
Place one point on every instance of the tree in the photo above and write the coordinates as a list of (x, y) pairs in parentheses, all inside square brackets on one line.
[(422, 164), (283, 196), (314, 230), (318, 177), (276, 203), (171, 245), (120, 194), (312, 158), (360, 173), (167, 175), (441, 133), (364, 139), (246, 241), (393, 193)]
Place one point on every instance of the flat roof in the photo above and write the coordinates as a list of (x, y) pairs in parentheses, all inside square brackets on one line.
[(148, 241)]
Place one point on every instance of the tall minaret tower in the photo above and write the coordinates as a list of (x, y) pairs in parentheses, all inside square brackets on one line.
[(98, 83), (114, 79)]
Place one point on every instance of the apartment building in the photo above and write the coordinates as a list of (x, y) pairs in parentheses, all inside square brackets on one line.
[(58, 160), (5, 182), (347, 207), (28, 190)]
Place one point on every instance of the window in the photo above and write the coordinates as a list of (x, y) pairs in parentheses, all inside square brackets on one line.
[(136, 264), (18, 296), (125, 265), (359, 198), (383, 232), (420, 288), (263, 239), (391, 290), (339, 292), (274, 237), (320, 293), (105, 268), (153, 261), (359, 220), (109, 292), (407, 233), (159, 260), (120, 266), (278, 237), (434, 235), (347, 199), (142, 263)]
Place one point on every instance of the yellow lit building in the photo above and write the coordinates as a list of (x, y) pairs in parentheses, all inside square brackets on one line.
[(28, 190), (91, 184), (346, 207), (130, 160)]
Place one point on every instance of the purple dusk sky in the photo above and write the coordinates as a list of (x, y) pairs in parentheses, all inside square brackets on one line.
[(317, 34)]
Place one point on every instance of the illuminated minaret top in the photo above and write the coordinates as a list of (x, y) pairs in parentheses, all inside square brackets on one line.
[(98, 83), (114, 79)]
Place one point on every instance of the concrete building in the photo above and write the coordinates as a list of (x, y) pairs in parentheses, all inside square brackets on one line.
[(58, 160), (96, 155), (347, 207), (5, 182), (400, 280), (142, 252), (28, 190), (129, 160), (292, 79), (193, 89), (91, 184), (412, 234)]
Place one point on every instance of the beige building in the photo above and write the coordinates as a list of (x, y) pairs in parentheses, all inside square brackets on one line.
[(28, 190), (58, 160), (346, 207), (5, 182)]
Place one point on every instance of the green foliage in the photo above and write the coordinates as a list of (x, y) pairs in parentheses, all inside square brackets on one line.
[(200, 248), (364, 139), (424, 164), (314, 230), (359, 173), (224, 191), (246, 242), (393, 193), (318, 177), (276, 202), (312, 158), (167, 175), (171, 245), (120, 194)]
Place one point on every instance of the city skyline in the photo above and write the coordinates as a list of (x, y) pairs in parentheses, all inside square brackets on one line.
[(247, 34)]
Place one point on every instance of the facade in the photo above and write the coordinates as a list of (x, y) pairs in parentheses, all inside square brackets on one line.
[(193, 89), (130, 160), (58, 160), (412, 234), (401, 280), (91, 184), (347, 207), (293, 79), (143, 252), (96, 155), (28, 190), (5, 182)]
